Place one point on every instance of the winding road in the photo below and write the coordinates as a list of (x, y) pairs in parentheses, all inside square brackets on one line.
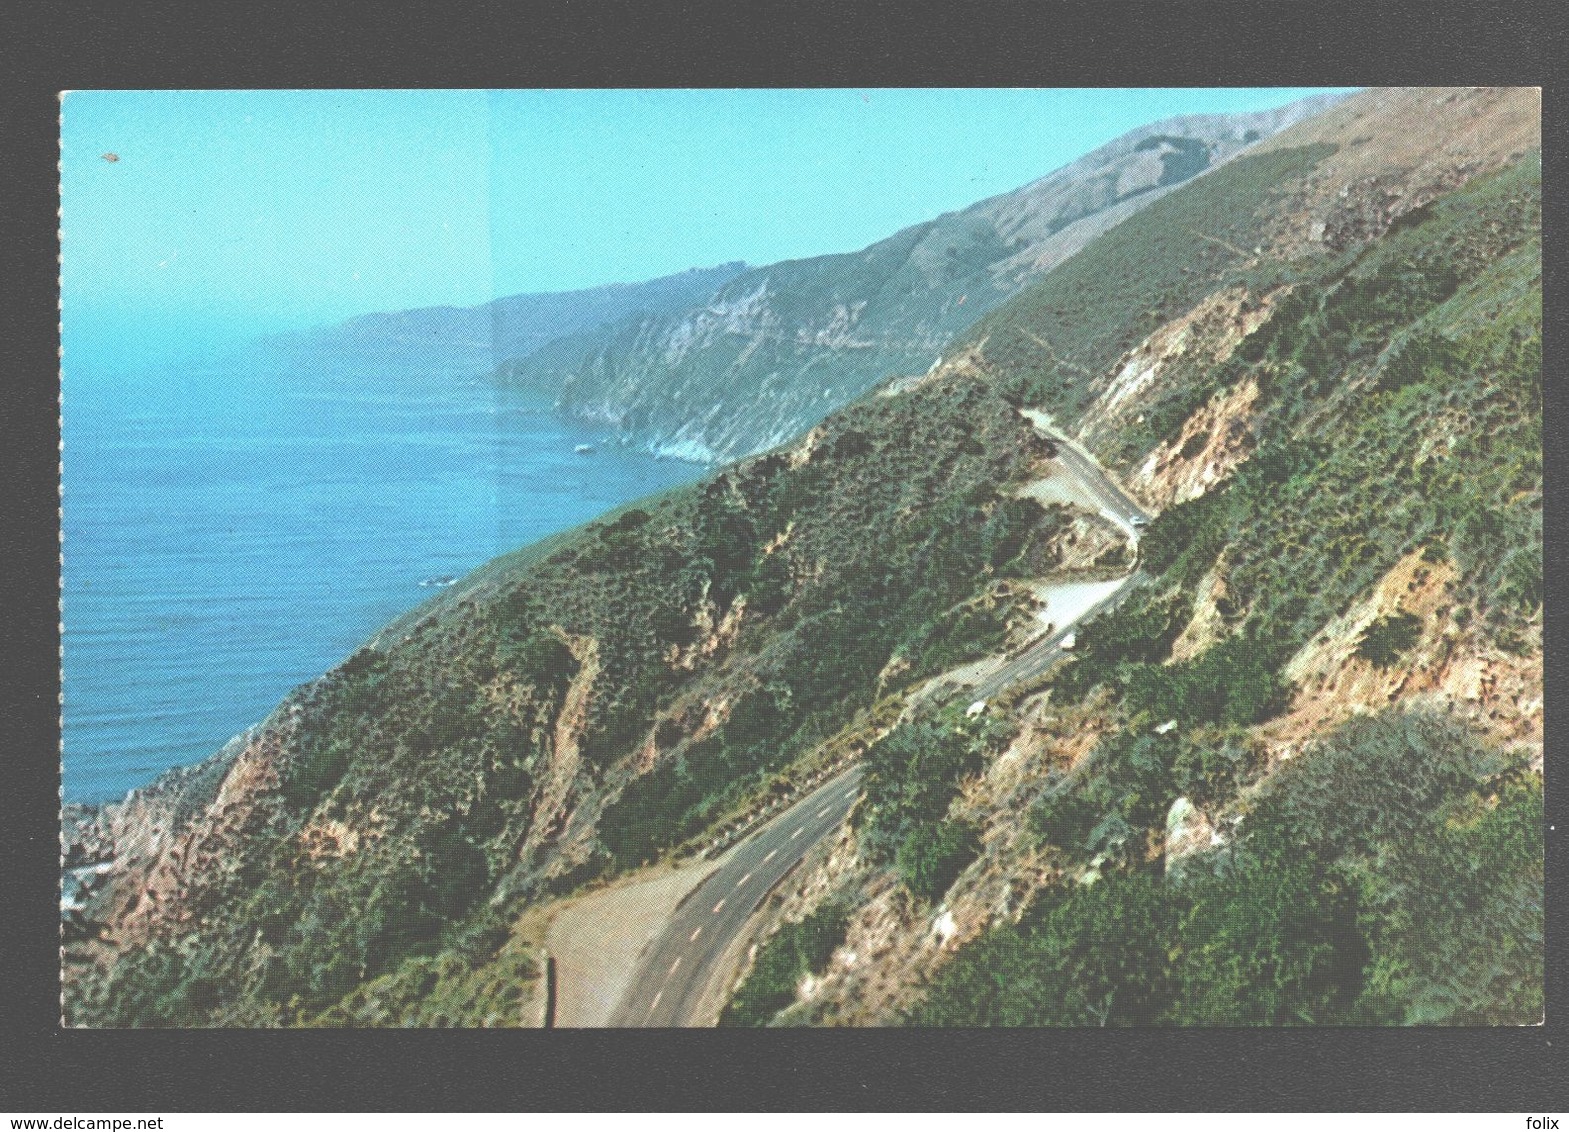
[(680, 968), (679, 980), (1115, 504)]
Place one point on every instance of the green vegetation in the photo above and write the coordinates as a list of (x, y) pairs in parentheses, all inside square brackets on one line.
[(1234, 683), (352, 691), (410, 776), (682, 795), (1393, 875), (1115, 802), (1184, 539), (481, 982), (476, 977), (1388, 638), (1139, 631), (930, 858), (797, 949), (1094, 957), (1353, 471), (912, 777), (909, 537), (1181, 158)]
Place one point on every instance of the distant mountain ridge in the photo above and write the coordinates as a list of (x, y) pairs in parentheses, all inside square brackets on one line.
[(778, 347), (517, 325)]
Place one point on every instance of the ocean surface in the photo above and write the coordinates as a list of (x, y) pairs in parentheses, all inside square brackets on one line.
[(237, 521)]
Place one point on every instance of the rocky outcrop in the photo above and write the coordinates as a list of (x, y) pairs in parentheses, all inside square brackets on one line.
[(1182, 350), (895, 942), (159, 842), (1206, 626), (1449, 666), (557, 794), (1188, 832), (1212, 442)]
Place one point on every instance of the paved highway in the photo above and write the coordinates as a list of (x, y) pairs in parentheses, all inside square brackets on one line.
[(1116, 506), (676, 970), (677, 974), (1115, 503)]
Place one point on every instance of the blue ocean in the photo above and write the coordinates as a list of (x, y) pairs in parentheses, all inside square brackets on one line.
[(238, 519)]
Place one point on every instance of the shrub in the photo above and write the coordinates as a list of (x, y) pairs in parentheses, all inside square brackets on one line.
[(930, 858), (1376, 780), (1139, 631), (1268, 943), (1157, 262), (1455, 918), (1388, 638), (1196, 524), (911, 778), (1393, 875), (539, 658), (796, 949), (1090, 956), (1234, 683), (1119, 793)]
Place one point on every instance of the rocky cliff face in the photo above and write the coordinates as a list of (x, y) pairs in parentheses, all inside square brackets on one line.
[(779, 347)]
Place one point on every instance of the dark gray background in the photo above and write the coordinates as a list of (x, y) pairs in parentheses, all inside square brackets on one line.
[(50, 46)]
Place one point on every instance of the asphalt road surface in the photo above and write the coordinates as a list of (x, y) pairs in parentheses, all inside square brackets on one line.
[(1114, 502), (1116, 506), (679, 966)]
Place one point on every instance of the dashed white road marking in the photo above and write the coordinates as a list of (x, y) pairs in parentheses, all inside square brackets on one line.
[(718, 906), (743, 880), (676, 964), (798, 833), (822, 811), (653, 1006), (693, 937), (771, 852), (851, 793)]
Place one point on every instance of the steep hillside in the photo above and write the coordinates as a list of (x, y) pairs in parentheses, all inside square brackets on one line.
[(1297, 779), (477, 338), (1294, 778), (780, 346)]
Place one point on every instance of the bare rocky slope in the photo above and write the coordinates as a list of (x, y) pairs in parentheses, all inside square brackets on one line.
[(1295, 778)]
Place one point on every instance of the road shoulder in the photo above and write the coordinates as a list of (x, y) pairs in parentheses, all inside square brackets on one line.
[(597, 938)]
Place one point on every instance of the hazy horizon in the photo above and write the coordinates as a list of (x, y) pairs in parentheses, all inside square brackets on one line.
[(230, 214)]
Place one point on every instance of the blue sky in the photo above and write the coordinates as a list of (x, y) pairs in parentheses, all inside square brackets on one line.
[(266, 210)]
